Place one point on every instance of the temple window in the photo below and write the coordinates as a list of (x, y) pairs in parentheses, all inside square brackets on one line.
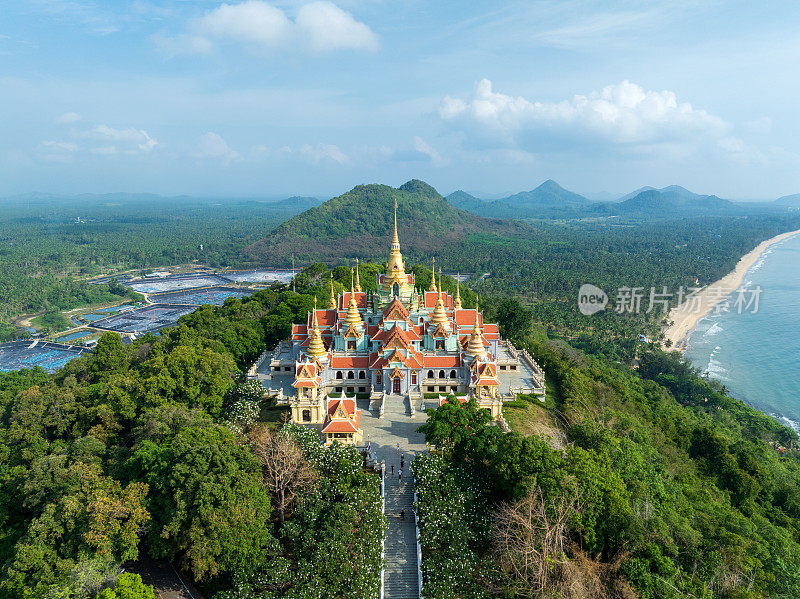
[(440, 344), (351, 344), (378, 379), (441, 374), (351, 375), (362, 374), (338, 374), (413, 378), (306, 415), (430, 374)]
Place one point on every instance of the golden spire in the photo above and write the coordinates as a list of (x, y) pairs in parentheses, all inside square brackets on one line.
[(457, 302), (433, 276), (358, 283), (316, 348), (395, 239), (395, 268), (475, 346), (332, 299), (353, 316)]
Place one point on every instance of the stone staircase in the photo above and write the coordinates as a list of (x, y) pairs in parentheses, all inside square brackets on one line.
[(400, 576)]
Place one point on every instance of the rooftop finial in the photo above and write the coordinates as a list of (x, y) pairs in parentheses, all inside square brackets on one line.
[(332, 299), (457, 301), (433, 275), (358, 282)]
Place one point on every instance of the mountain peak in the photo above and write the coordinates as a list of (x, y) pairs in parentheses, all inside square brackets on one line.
[(549, 185), (420, 187)]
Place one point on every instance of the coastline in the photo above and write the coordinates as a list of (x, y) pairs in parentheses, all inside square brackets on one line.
[(684, 321)]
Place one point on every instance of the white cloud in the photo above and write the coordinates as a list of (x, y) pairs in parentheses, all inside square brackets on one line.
[(105, 150), (133, 138), (423, 148), (318, 26), (63, 146), (324, 152), (251, 21), (213, 145), (58, 151), (68, 118), (624, 115), (328, 27)]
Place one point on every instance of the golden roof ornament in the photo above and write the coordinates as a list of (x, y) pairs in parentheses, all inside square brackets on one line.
[(475, 346), (457, 301), (316, 347), (353, 316), (332, 299), (433, 276), (358, 283)]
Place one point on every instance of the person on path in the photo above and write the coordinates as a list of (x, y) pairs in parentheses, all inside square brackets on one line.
[(400, 476), (392, 469), (402, 514), (402, 460), (398, 447)]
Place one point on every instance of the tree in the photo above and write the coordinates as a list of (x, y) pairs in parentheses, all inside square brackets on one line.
[(453, 423), (529, 538), (286, 471), (129, 586), (210, 508)]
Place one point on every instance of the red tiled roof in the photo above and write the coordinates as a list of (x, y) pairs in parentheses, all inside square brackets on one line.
[(340, 426), (349, 405), (467, 317), (349, 362), (441, 361), (396, 310), (325, 318), (344, 300), (486, 375)]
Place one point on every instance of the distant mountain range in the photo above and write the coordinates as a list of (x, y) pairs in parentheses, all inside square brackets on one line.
[(550, 200), (792, 201), (547, 200)]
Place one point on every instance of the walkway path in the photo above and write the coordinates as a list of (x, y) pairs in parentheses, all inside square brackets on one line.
[(384, 434)]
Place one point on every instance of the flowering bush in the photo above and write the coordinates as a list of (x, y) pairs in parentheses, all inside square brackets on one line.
[(245, 407), (453, 521)]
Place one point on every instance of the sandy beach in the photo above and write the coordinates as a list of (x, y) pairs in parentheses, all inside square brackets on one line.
[(686, 316)]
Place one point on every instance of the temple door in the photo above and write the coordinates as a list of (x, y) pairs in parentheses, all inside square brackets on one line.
[(396, 386)]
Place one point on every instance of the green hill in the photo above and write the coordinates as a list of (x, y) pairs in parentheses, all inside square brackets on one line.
[(670, 202), (549, 195), (359, 223)]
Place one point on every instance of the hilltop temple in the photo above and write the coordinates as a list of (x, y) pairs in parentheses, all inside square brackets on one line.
[(396, 344)]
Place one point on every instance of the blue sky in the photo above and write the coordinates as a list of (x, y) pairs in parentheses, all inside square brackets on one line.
[(265, 99)]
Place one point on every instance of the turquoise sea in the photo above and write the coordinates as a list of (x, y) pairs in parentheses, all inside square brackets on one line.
[(757, 355)]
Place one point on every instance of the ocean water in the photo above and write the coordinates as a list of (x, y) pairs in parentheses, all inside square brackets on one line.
[(757, 355)]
